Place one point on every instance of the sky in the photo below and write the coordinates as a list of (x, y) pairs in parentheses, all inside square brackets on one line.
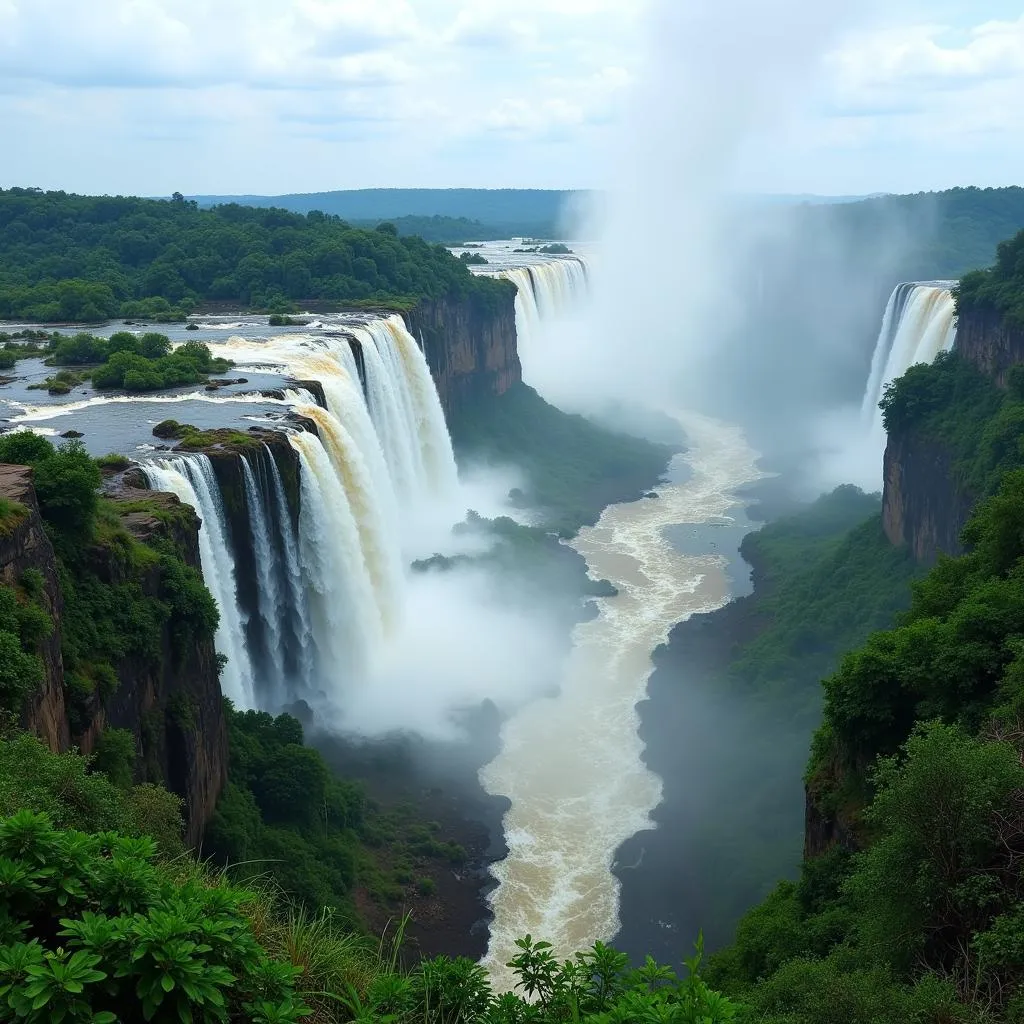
[(274, 96)]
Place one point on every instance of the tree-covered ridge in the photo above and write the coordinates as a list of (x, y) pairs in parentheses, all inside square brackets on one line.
[(1000, 287), (88, 258), (513, 212)]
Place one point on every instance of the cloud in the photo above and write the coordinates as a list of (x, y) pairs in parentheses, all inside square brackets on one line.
[(484, 93)]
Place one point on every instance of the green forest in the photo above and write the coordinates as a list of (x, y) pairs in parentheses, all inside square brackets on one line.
[(999, 288), (84, 259)]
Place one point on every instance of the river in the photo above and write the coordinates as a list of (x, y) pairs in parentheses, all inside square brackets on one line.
[(572, 765)]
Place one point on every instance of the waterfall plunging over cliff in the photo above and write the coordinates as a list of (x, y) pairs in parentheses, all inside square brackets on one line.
[(544, 291), (192, 479), (918, 324), (328, 584)]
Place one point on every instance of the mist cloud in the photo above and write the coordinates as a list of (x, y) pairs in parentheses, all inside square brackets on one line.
[(761, 313)]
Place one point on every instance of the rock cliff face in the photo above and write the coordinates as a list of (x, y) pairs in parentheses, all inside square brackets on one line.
[(471, 349), (174, 708), (26, 546), (990, 344), (922, 503)]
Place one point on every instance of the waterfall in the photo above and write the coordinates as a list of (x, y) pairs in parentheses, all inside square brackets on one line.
[(329, 589), (544, 291), (297, 604), (354, 487), (269, 596), (192, 479), (346, 619), (408, 413), (918, 324)]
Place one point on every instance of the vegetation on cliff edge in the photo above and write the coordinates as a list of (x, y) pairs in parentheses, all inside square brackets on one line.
[(911, 909)]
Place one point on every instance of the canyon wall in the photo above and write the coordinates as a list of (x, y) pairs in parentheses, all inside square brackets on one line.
[(987, 341), (470, 346), (923, 505), (26, 546), (172, 704)]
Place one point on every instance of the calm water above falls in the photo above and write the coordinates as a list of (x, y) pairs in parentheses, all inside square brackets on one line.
[(572, 765)]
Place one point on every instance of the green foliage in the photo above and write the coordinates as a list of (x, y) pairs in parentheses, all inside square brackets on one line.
[(115, 756), (943, 864), (12, 515), (133, 362), (953, 403), (84, 259), (62, 787), (23, 448), (95, 931), (1001, 287), (920, 763), (114, 462), (285, 814), (61, 383), (23, 626), (66, 485)]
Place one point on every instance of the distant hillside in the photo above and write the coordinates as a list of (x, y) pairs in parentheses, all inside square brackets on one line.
[(89, 258), (515, 211)]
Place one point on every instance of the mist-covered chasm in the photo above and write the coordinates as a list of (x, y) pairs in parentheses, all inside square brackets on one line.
[(712, 299)]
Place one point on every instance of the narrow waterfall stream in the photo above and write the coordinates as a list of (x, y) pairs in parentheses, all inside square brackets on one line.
[(571, 764)]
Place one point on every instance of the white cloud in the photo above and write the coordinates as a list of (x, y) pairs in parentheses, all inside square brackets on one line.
[(285, 95)]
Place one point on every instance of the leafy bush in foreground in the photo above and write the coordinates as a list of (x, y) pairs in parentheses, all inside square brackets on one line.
[(93, 929)]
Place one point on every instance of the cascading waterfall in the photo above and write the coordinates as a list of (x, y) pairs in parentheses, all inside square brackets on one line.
[(362, 500), (192, 479), (302, 664), (269, 594), (406, 413), (329, 589), (545, 291), (918, 324), (347, 624)]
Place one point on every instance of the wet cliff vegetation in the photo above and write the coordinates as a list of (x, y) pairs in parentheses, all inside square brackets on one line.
[(76, 258), (573, 467)]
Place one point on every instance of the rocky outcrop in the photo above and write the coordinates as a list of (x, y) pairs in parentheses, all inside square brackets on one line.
[(174, 705), (24, 545), (923, 505), (470, 346), (987, 341)]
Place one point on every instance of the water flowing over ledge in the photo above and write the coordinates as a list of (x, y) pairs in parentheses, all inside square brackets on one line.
[(917, 325), (329, 580)]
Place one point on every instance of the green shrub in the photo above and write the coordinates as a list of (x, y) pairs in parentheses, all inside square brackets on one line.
[(115, 756), (114, 461), (96, 931)]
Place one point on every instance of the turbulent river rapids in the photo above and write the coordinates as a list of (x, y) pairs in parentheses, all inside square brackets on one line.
[(572, 765)]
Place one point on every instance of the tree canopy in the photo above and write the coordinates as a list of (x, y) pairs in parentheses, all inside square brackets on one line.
[(88, 258)]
